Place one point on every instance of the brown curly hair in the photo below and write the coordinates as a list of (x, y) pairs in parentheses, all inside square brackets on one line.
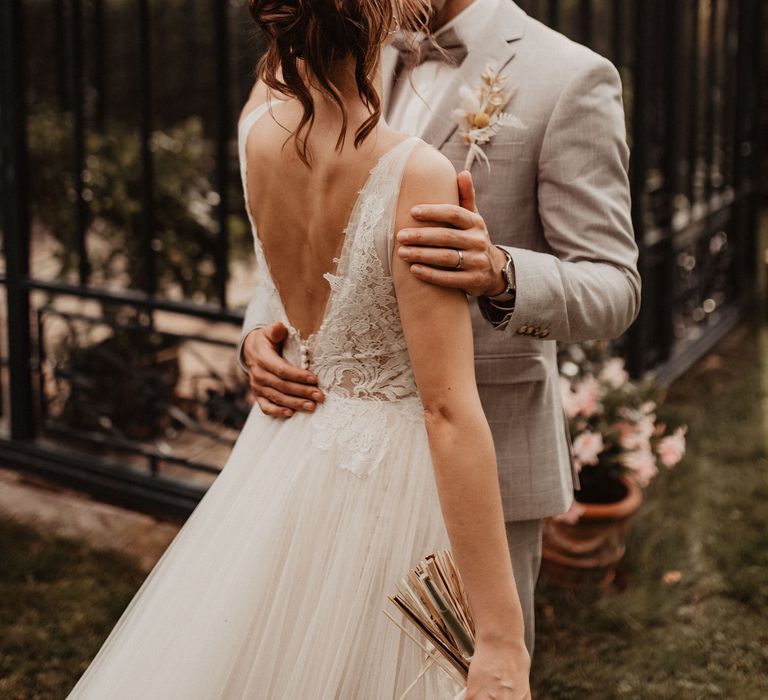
[(306, 37)]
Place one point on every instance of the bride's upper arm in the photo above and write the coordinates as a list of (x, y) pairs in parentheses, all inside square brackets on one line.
[(436, 320)]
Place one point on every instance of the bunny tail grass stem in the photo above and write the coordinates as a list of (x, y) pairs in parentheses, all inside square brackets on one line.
[(435, 656), (416, 680)]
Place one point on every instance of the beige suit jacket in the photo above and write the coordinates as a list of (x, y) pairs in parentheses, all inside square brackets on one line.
[(557, 198)]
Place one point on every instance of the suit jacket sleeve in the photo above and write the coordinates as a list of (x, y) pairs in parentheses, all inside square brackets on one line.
[(588, 287), (257, 314)]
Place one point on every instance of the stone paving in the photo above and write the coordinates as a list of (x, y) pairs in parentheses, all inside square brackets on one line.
[(62, 511)]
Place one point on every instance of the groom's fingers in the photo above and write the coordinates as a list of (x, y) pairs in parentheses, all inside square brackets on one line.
[(467, 197), (440, 257), (444, 278), (277, 366), (284, 389), (272, 409), (440, 238), (293, 403), (448, 214)]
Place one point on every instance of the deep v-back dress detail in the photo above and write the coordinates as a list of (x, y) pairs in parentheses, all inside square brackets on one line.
[(370, 180), (274, 587)]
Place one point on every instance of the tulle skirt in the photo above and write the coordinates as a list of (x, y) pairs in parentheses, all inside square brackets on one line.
[(276, 584)]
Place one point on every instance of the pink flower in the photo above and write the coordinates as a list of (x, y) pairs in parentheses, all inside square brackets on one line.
[(613, 373), (586, 448), (572, 515), (637, 435), (672, 447), (584, 399), (587, 396), (570, 404), (626, 431), (642, 464)]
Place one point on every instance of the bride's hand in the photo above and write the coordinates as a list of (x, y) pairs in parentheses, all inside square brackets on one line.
[(500, 672)]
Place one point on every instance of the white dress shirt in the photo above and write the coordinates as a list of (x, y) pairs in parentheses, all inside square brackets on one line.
[(409, 111)]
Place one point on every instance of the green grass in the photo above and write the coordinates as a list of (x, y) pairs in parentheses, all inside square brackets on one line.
[(703, 637), (58, 600), (706, 636)]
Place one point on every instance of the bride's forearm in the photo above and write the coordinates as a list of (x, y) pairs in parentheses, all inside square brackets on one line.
[(468, 487), (438, 330)]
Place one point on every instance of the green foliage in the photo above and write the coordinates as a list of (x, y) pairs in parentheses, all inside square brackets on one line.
[(185, 223)]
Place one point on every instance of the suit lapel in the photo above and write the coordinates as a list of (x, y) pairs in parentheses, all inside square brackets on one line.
[(495, 47)]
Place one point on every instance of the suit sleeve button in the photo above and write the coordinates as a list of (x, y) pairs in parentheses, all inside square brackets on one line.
[(545, 333)]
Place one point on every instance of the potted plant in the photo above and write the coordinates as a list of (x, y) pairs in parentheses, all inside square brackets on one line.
[(619, 444)]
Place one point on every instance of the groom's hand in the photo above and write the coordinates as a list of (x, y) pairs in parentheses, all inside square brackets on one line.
[(280, 387), (432, 251)]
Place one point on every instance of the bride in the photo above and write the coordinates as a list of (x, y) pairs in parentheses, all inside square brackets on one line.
[(274, 587)]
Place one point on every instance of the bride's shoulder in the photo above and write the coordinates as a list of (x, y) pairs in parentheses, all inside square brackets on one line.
[(259, 95), (428, 175)]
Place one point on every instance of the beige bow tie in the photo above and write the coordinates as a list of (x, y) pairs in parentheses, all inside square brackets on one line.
[(445, 46)]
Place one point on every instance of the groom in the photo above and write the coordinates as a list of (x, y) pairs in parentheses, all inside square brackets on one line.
[(545, 246)]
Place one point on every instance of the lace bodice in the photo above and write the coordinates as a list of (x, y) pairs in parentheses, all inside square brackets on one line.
[(358, 353)]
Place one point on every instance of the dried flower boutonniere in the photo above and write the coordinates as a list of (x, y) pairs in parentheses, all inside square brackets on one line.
[(482, 115)]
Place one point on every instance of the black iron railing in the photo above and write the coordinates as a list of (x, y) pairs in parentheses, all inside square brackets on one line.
[(126, 252)]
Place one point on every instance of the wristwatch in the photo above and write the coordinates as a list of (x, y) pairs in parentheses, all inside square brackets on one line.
[(506, 300)]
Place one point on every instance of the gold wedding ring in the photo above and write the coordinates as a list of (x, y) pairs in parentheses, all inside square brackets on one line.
[(461, 259)]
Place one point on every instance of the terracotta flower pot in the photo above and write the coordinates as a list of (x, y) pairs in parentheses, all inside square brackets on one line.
[(590, 549)]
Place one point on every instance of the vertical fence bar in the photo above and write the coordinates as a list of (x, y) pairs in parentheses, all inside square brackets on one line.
[(673, 107), (640, 331), (99, 64), (740, 143), (693, 101), (761, 27), (617, 27), (711, 87), (585, 21), (60, 52), (15, 202), (553, 16), (77, 101), (41, 361), (745, 151), (224, 127), (145, 135), (669, 50), (732, 95)]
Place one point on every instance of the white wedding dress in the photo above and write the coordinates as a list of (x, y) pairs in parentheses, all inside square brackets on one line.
[(276, 584)]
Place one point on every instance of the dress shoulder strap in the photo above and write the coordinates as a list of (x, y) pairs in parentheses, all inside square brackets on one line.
[(246, 124), (389, 187)]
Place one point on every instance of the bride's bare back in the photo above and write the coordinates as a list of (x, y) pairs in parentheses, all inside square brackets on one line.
[(301, 213)]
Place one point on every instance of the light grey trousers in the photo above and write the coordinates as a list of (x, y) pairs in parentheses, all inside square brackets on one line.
[(524, 539)]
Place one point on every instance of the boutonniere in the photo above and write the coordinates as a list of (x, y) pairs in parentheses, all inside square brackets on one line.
[(481, 115)]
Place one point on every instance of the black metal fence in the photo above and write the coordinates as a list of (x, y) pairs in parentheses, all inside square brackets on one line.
[(127, 259)]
